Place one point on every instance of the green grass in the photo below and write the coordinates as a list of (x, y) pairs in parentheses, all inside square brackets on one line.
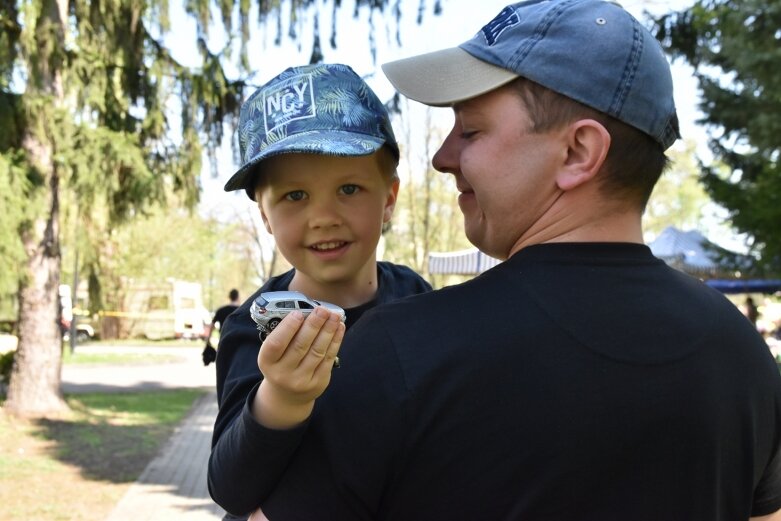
[(148, 408), (86, 358), (82, 463), (173, 342)]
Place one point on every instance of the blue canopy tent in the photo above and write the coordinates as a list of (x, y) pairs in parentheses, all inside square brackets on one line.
[(745, 285), (692, 253)]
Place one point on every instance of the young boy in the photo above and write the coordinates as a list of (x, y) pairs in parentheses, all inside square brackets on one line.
[(319, 157)]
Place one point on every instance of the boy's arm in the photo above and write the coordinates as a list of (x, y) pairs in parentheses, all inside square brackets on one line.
[(296, 360), (248, 458)]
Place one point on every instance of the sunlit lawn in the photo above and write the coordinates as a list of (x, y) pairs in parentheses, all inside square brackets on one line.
[(78, 467)]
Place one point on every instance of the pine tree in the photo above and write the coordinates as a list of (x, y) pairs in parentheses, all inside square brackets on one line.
[(84, 90), (734, 47)]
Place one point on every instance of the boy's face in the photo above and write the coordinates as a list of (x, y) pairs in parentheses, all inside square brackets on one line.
[(326, 213)]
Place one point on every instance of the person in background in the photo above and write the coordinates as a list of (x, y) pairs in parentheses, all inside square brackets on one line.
[(751, 311), (209, 354), (319, 156), (582, 378)]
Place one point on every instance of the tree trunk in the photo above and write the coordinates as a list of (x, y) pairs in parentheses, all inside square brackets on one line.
[(34, 389)]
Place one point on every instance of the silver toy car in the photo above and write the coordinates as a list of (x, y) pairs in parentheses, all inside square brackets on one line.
[(270, 308)]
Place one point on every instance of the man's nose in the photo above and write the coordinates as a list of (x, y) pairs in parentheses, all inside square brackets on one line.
[(447, 157)]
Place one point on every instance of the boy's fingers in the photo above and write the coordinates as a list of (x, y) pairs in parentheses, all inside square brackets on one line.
[(302, 341), (322, 342), (299, 341), (275, 344), (313, 336), (331, 356)]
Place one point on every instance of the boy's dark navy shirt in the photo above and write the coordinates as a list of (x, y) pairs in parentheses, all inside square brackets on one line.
[(237, 365)]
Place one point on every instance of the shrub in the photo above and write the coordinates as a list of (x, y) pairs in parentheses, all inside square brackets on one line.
[(6, 363)]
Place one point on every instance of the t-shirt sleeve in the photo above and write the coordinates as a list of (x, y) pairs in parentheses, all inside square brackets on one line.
[(767, 495), (355, 435), (248, 460)]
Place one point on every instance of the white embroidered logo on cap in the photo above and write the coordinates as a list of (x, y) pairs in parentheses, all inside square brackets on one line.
[(290, 101), (504, 20)]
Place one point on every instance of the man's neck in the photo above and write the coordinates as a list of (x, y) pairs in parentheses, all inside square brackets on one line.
[(589, 221)]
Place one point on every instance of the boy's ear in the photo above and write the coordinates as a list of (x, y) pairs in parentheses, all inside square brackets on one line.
[(587, 145), (265, 219), (390, 202)]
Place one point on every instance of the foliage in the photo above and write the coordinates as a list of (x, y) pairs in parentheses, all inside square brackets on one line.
[(734, 47), (426, 218), (15, 209), (88, 91), (6, 362), (678, 197), (185, 245)]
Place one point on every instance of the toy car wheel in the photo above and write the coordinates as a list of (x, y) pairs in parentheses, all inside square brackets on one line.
[(272, 324)]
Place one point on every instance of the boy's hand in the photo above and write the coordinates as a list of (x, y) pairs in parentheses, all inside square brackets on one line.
[(296, 360)]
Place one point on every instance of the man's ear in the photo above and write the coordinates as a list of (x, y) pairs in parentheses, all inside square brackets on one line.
[(588, 143), (390, 202)]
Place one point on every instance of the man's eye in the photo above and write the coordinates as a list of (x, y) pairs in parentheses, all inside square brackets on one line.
[(295, 195), (349, 189), (468, 134)]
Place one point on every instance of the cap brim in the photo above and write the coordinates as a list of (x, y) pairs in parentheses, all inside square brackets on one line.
[(445, 77), (329, 143)]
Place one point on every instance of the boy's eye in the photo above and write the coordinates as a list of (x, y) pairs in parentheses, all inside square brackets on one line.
[(295, 195), (467, 134), (349, 189)]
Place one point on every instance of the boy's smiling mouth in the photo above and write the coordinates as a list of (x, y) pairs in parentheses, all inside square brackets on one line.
[(328, 246)]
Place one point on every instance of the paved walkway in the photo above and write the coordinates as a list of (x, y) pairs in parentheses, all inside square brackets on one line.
[(173, 486)]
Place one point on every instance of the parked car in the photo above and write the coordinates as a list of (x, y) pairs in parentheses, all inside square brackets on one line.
[(84, 333), (270, 308)]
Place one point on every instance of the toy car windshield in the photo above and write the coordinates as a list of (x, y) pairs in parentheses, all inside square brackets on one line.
[(269, 308)]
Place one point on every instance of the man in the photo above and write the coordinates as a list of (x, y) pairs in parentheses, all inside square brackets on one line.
[(582, 378), (209, 354)]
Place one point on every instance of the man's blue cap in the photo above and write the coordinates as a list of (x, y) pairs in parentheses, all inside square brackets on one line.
[(314, 109), (591, 51)]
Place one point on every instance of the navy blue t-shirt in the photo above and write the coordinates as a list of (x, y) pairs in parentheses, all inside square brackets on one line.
[(237, 367), (572, 381)]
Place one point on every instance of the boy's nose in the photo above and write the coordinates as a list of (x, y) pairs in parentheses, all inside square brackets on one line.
[(324, 213)]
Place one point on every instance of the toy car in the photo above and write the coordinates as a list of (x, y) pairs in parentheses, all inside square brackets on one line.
[(270, 308)]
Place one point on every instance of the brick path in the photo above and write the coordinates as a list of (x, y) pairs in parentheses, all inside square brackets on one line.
[(173, 485)]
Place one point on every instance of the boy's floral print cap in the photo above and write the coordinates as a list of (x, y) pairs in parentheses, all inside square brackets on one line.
[(314, 109)]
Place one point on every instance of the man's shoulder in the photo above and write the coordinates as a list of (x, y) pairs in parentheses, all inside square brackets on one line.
[(437, 303)]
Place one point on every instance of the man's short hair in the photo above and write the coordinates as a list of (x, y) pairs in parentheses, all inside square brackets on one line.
[(635, 160), (233, 295)]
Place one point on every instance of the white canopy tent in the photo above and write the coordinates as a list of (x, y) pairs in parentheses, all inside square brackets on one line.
[(464, 262)]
